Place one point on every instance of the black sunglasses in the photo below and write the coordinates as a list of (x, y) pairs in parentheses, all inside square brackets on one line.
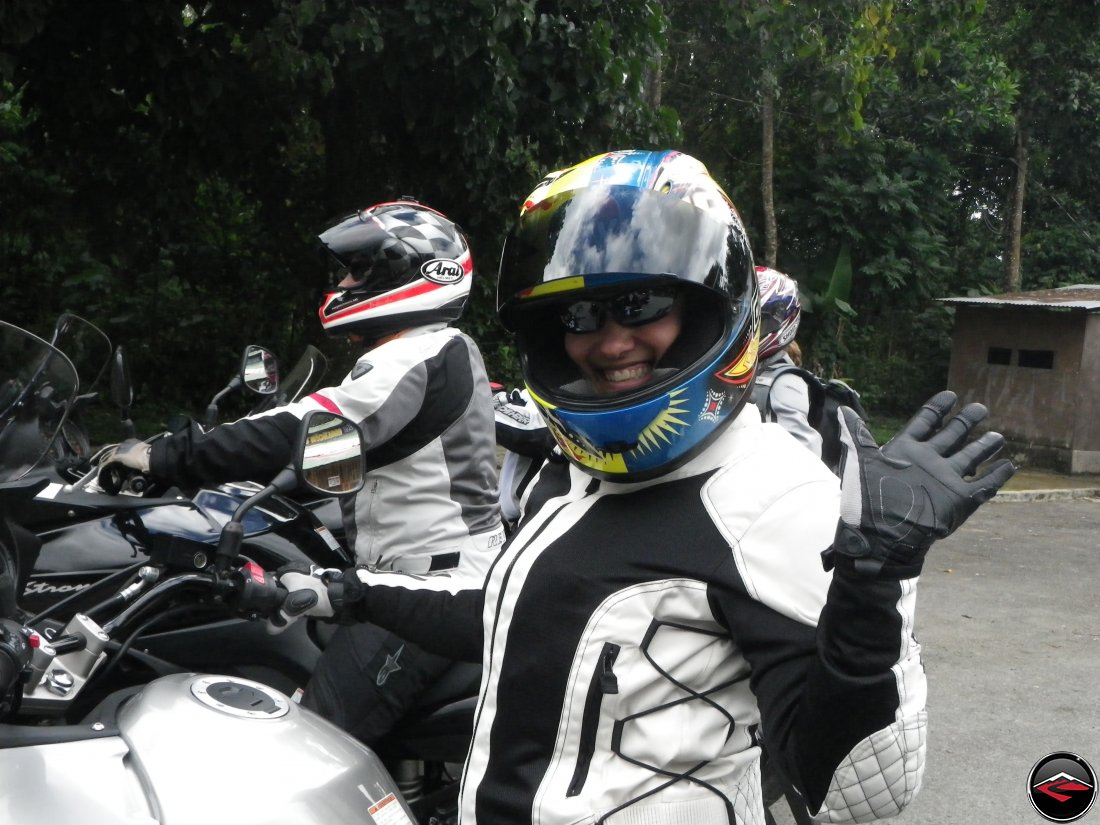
[(635, 308)]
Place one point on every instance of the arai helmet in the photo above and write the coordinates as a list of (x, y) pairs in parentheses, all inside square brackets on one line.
[(780, 309), (411, 265), (613, 238)]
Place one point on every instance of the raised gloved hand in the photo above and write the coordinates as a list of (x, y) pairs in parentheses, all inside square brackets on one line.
[(314, 591), (896, 500)]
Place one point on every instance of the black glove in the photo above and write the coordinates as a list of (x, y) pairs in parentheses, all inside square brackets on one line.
[(896, 500)]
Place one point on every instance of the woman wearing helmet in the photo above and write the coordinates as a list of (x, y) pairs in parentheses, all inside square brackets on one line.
[(663, 598), (421, 397), (639, 239), (782, 396)]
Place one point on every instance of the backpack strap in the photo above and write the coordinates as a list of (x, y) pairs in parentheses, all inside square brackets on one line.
[(813, 385)]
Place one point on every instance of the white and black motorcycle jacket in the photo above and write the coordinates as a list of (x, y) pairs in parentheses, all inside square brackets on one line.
[(423, 403), (637, 637)]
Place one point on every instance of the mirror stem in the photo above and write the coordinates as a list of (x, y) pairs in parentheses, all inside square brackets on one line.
[(229, 544), (212, 407)]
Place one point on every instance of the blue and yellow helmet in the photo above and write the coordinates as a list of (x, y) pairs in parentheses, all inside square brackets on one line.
[(626, 221)]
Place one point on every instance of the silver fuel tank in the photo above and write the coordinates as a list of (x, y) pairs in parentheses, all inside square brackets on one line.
[(199, 750)]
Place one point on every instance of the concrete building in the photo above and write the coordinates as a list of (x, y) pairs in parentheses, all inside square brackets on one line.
[(1033, 358)]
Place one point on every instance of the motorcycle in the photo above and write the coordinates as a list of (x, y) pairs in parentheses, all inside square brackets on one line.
[(91, 538), (134, 758), (99, 539)]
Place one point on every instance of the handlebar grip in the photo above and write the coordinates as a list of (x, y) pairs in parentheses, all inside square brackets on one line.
[(114, 477), (15, 654), (8, 673), (9, 678), (260, 595), (111, 479)]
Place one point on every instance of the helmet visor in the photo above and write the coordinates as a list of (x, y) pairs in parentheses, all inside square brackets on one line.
[(594, 237), (633, 308)]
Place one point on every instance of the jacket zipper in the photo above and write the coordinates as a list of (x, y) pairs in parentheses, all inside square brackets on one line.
[(603, 682), (372, 500)]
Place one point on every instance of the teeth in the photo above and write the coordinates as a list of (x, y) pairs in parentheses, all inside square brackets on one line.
[(627, 374)]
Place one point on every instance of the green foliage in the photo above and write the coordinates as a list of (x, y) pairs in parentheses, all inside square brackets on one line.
[(883, 202), (35, 247), (166, 169), (195, 153)]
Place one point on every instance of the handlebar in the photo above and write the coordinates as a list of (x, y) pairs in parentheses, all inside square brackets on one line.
[(14, 655), (89, 651), (235, 582), (249, 590), (159, 591)]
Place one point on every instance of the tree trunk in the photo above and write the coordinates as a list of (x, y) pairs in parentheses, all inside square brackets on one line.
[(1015, 220), (767, 169), (654, 78)]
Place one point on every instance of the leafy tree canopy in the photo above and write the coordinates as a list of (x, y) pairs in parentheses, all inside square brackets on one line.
[(167, 168)]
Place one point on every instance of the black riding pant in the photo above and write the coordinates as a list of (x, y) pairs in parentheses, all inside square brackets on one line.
[(368, 679)]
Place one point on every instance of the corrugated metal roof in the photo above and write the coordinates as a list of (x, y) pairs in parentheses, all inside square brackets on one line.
[(1080, 296)]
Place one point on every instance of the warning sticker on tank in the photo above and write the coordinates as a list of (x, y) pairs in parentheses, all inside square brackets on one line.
[(387, 810)]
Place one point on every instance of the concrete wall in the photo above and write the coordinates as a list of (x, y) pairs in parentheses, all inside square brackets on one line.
[(1046, 412), (1086, 433)]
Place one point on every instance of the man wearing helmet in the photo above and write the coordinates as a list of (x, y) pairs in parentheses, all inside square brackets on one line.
[(782, 397), (664, 599), (421, 397)]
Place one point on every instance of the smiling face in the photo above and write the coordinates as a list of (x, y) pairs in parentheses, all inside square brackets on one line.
[(615, 359)]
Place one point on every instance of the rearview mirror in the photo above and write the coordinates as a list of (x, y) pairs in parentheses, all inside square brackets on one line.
[(328, 459), (260, 370), (330, 454)]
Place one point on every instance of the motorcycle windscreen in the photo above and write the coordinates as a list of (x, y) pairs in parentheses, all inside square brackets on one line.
[(37, 386), (86, 345)]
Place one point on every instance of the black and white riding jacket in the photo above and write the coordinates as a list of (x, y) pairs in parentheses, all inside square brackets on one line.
[(423, 403), (637, 638)]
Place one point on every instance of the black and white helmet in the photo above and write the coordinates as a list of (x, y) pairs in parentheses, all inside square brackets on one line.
[(411, 265)]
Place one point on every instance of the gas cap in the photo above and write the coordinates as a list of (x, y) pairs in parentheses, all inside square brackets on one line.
[(242, 698)]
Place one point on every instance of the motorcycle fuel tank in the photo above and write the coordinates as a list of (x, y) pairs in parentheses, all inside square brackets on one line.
[(199, 749)]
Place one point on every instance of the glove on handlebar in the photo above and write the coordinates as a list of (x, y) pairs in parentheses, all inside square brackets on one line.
[(314, 591), (130, 453), (896, 500)]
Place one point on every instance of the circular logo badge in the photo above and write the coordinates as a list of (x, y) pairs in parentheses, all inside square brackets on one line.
[(442, 271), (1062, 787)]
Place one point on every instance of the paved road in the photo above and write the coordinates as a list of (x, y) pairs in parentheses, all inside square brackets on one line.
[(1009, 622)]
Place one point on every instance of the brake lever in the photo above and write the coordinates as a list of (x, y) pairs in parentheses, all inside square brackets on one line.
[(90, 476)]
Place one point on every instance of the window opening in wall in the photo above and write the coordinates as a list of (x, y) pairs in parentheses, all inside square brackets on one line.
[(1039, 359), (999, 355)]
